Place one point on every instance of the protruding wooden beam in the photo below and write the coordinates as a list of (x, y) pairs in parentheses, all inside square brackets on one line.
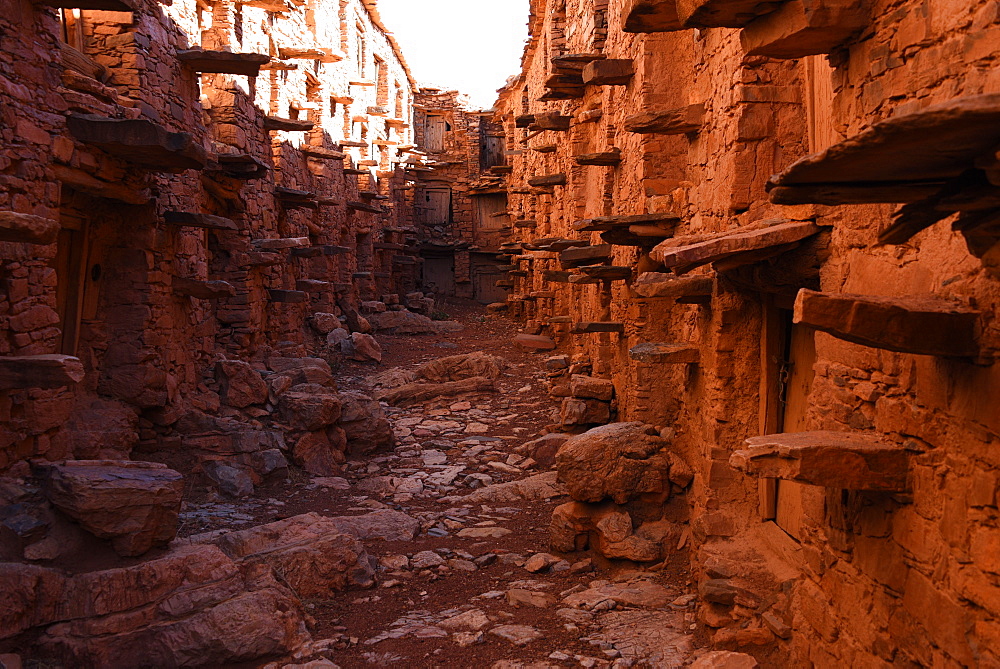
[(223, 62), (610, 72), (665, 354), (287, 124), (667, 122), (287, 296), (202, 290), (140, 142), (27, 228), (923, 326), (322, 153), (841, 460), (604, 158), (524, 120), (188, 219), (650, 16), (365, 207), (334, 250), (39, 371), (585, 327), (293, 198), (686, 289)]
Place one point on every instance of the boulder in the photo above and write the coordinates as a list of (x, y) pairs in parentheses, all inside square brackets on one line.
[(442, 370), (365, 348), (313, 554), (338, 337), (231, 479), (607, 528), (533, 489), (324, 323), (135, 504), (321, 453), (414, 393), (584, 412), (309, 410), (543, 450), (402, 323), (364, 423), (620, 461), (97, 429), (240, 385), (724, 659), (592, 388)]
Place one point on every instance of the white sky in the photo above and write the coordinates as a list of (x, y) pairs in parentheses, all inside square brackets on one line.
[(469, 45)]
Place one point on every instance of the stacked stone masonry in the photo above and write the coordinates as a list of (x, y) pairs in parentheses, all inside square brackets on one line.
[(746, 298)]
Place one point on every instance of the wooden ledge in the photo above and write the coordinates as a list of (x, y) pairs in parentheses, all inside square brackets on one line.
[(223, 62), (39, 371), (140, 142), (597, 326), (192, 220), (667, 122), (923, 326), (683, 254), (27, 228), (660, 353), (685, 289), (365, 207), (202, 290), (650, 16), (844, 460), (287, 124)]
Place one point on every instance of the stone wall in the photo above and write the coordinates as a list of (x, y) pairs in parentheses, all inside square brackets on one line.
[(661, 141), (165, 207)]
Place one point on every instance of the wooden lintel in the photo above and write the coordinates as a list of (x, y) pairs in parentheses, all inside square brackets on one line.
[(192, 220), (840, 460), (39, 371), (923, 326), (661, 353), (27, 228)]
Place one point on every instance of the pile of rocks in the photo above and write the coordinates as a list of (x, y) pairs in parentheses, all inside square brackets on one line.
[(586, 400), (622, 478)]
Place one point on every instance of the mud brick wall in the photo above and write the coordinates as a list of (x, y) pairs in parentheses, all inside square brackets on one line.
[(104, 289), (833, 577)]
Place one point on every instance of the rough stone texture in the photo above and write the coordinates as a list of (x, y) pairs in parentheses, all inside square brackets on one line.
[(240, 385), (619, 461), (134, 504), (364, 424), (309, 410)]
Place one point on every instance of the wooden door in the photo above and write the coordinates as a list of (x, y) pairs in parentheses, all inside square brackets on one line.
[(436, 206), (71, 266), (435, 128), (492, 212)]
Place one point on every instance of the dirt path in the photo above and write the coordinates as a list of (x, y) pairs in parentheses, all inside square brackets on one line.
[(470, 590)]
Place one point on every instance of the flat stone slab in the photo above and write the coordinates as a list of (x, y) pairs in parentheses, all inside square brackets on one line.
[(683, 254)]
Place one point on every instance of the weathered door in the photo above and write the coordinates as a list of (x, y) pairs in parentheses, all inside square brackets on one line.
[(435, 128), (439, 274), (492, 212), (435, 206)]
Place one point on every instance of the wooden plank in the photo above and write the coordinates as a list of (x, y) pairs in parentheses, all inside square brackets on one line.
[(39, 371), (552, 121), (650, 16), (192, 220), (140, 142), (844, 460), (923, 326), (678, 121), (27, 228), (663, 353), (223, 62), (85, 182), (683, 254)]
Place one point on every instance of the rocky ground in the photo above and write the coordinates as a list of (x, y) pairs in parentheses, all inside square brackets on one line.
[(477, 584), (436, 553)]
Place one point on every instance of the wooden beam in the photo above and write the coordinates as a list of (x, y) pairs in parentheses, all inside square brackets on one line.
[(27, 228), (192, 220), (89, 184), (292, 198), (140, 142), (841, 460), (548, 180), (659, 353), (39, 371), (223, 62), (923, 326), (324, 55)]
